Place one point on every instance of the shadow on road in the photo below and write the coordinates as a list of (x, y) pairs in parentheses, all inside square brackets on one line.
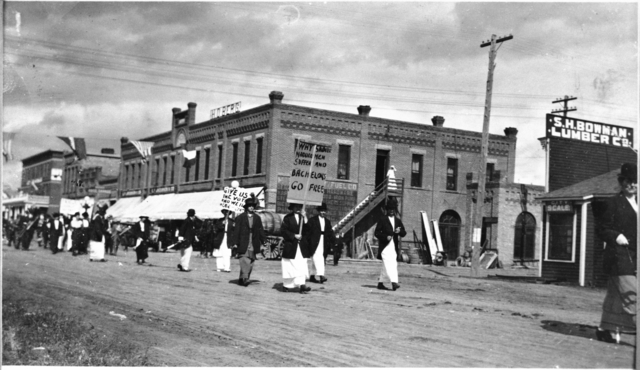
[(577, 330)]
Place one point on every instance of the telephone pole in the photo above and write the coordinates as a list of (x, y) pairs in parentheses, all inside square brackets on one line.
[(566, 107), (484, 151)]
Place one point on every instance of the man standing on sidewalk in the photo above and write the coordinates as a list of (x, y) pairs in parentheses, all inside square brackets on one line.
[(388, 232), (248, 236), (320, 239)]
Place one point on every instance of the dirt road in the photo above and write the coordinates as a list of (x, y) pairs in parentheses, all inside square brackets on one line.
[(438, 318)]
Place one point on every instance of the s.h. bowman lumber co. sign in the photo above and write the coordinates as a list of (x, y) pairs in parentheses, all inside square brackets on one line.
[(589, 131)]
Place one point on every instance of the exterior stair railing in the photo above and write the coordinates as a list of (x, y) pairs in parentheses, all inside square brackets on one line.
[(389, 187)]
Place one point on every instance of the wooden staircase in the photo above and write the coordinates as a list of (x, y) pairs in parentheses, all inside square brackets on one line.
[(366, 213)]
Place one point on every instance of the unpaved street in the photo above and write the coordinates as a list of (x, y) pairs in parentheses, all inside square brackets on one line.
[(438, 318)]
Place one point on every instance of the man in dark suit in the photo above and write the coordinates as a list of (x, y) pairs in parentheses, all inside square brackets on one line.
[(98, 231), (26, 229), (616, 226), (320, 238), (388, 232), (141, 231), (248, 236), (186, 238), (295, 250), (56, 233)]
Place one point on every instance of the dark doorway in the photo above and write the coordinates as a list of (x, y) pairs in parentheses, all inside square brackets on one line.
[(525, 237), (487, 234), (449, 226), (382, 165)]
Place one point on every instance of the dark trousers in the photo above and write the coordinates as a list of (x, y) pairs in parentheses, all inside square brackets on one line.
[(54, 243), (246, 263)]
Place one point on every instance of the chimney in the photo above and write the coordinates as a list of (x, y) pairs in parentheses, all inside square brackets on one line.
[(438, 121), (511, 132), (191, 116), (276, 97), (364, 110)]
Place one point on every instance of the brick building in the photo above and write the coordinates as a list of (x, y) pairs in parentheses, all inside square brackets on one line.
[(583, 159), (256, 148), (93, 178), (40, 186)]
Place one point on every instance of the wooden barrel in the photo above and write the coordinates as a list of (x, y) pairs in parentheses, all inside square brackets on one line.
[(271, 222), (414, 255)]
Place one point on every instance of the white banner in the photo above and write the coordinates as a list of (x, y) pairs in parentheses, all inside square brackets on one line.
[(233, 199), (309, 174), (71, 206)]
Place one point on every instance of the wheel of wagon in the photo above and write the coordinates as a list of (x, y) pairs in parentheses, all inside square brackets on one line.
[(460, 262), (271, 248)]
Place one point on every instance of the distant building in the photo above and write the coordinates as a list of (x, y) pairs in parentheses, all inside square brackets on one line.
[(256, 148), (40, 185), (94, 178), (583, 159)]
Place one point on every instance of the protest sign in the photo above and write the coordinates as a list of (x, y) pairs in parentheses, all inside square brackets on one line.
[(233, 199), (307, 181), (71, 206)]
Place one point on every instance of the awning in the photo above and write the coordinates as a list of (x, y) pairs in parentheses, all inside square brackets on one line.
[(122, 206), (175, 206)]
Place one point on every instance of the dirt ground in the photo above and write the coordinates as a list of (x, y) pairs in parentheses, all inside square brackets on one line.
[(440, 317)]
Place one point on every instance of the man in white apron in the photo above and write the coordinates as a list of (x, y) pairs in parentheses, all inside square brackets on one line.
[(320, 240), (294, 252), (388, 232)]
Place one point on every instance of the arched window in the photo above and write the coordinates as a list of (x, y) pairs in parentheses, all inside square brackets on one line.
[(525, 237), (449, 225)]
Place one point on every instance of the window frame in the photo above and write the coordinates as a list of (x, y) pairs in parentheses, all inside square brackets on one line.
[(548, 237), (417, 175), (455, 161), (344, 161)]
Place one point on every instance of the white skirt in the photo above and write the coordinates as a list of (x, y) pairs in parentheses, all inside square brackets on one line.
[(296, 267)]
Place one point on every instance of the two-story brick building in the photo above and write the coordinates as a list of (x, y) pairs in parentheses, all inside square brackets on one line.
[(256, 148), (40, 186)]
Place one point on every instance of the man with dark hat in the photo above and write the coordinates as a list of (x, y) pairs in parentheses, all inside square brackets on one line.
[(56, 233), (186, 237), (295, 250), (26, 229), (388, 232), (617, 227), (248, 236), (141, 231), (98, 232), (320, 238)]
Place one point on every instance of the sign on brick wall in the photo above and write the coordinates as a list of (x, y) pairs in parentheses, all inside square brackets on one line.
[(589, 131), (340, 197)]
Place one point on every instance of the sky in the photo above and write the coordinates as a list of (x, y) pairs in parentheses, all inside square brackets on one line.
[(104, 70)]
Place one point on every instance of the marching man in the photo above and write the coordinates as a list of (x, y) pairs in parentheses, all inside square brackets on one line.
[(248, 236), (320, 240), (295, 251), (388, 231)]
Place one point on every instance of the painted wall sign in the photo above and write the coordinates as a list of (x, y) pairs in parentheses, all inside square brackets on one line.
[(309, 173), (340, 197), (162, 189), (589, 131), (559, 206), (227, 109), (129, 193)]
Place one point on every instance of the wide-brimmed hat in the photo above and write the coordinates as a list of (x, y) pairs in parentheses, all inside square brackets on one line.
[(392, 203), (143, 216), (293, 205), (191, 212), (322, 207), (249, 202), (629, 171)]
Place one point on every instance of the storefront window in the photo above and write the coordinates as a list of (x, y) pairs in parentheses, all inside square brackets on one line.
[(560, 237)]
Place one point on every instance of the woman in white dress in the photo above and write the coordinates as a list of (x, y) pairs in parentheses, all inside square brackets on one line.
[(221, 249)]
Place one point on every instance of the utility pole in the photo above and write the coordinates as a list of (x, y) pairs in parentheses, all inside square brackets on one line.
[(566, 108), (484, 151)]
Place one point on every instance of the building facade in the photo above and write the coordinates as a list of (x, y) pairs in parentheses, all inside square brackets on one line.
[(40, 185), (256, 148)]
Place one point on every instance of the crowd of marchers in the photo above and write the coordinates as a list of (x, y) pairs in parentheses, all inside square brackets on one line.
[(306, 241)]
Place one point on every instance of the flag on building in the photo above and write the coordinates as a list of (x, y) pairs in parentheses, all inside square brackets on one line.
[(33, 184), (189, 158), (7, 141), (77, 145), (144, 147)]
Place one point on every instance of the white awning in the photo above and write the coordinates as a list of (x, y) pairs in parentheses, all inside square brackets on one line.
[(175, 206), (122, 206)]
